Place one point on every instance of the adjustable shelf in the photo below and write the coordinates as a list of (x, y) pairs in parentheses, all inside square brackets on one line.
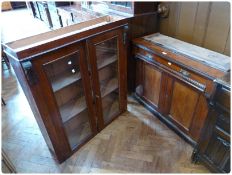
[(62, 80), (109, 85), (78, 129), (110, 105), (105, 60), (72, 108), (106, 49)]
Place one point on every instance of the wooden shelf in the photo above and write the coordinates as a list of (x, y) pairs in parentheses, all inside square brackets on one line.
[(105, 60), (110, 107), (64, 79), (72, 108), (108, 86), (106, 49), (79, 135), (78, 129)]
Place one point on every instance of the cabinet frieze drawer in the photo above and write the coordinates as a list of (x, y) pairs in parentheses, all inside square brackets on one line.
[(182, 71)]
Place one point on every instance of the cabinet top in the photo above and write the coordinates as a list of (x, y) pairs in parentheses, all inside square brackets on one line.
[(205, 56), (29, 47)]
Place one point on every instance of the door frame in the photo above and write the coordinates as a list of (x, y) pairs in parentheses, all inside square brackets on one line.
[(91, 47)]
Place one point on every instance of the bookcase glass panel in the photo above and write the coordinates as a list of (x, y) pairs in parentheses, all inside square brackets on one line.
[(107, 64), (65, 78)]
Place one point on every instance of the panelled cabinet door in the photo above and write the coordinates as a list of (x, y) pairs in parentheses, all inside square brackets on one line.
[(218, 151), (108, 65), (149, 83), (65, 86), (182, 104)]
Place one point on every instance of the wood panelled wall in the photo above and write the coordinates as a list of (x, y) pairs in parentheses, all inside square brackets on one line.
[(205, 24)]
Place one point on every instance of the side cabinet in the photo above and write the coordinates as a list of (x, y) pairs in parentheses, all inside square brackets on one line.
[(173, 84), (108, 70)]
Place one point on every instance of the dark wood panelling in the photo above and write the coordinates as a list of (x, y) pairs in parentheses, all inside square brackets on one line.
[(227, 48), (144, 24), (201, 22), (186, 21), (174, 18), (218, 27), (140, 25), (141, 7), (206, 24)]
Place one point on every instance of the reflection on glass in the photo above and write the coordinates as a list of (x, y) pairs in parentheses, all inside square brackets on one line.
[(107, 63), (65, 78)]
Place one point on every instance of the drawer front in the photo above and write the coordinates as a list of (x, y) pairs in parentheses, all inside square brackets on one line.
[(176, 68)]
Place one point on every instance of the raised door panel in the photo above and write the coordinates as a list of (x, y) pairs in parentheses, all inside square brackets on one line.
[(64, 83), (218, 150), (152, 82), (183, 104), (108, 66)]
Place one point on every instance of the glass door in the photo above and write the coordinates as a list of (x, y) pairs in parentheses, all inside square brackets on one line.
[(68, 86), (107, 65), (105, 56)]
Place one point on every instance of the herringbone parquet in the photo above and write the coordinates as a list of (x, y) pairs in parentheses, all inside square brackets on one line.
[(136, 142)]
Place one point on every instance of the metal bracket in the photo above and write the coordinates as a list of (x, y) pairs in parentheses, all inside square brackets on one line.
[(30, 74), (126, 28), (184, 72)]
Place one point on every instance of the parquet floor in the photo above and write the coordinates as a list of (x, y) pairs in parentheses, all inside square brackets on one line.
[(136, 142)]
